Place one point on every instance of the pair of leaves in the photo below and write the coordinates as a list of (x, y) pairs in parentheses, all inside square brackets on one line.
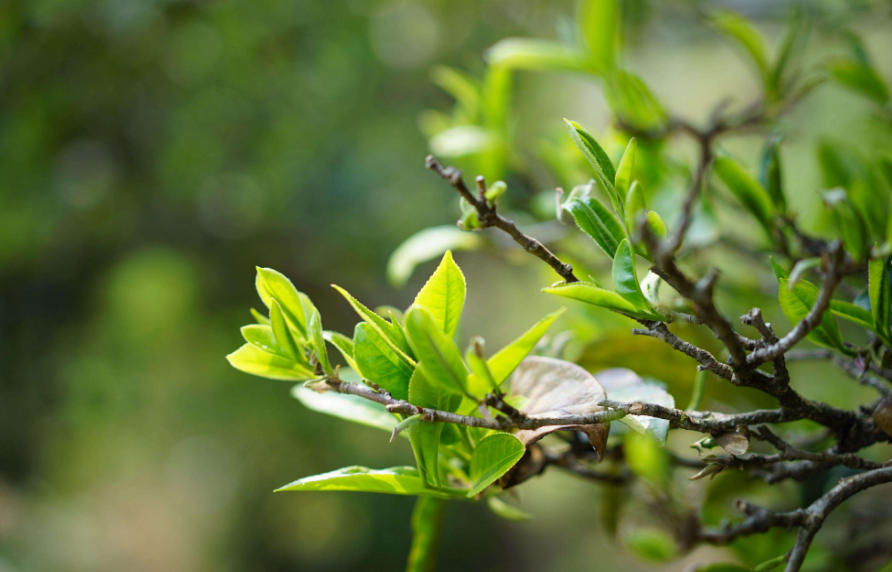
[(628, 298)]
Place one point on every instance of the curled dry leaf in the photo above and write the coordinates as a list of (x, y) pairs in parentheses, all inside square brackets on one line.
[(882, 415), (736, 442), (553, 388)]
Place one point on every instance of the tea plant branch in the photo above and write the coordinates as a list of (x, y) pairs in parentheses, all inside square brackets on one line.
[(486, 212), (790, 453), (809, 520)]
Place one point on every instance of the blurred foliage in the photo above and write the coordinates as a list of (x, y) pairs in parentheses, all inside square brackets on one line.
[(154, 152)]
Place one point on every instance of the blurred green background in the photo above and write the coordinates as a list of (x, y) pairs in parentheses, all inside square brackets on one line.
[(152, 152)]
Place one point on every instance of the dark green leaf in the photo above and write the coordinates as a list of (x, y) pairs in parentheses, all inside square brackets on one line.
[(427, 519), (880, 289), (377, 362), (797, 302), (593, 218), (770, 175)]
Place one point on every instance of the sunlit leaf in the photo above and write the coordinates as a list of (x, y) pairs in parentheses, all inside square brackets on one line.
[(272, 284), (443, 295), (599, 26), (343, 344), (624, 176), (591, 294), (437, 354), (282, 332), (462, 140), (625, 277), (389, 332), (493, 456), (251, 359), (395, 481), (262, 337), (591, 150), (314, 331), (426, 245), (533, 54)]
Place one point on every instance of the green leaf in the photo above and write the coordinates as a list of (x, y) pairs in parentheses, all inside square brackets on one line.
[(770, 175), (599, 26), (506, 360), (656, 225), (797, 302), (251, 359), (625, 277), (350, 407), (624, 171), (261, 319), (790, 53), (747, 190), (851, 223), (625, 385), (343, 344), (506, 510), (591, 150), (801, 268), (494, 455), (427, 519), (389, 332), (427, 245), (722, 567), (480, 371), (462, 88), (262, 337), (779, 271), (425, 436), (314, 331), (591, 294), (635, 104), (748, 38), (860, 78), (651, 544), (533, 54), (377, 362), (395, 481), (880, 291), (282, 332), (272, 284), (443, 295), (852, 313), (593, 218), (635, 207), (436, 353)]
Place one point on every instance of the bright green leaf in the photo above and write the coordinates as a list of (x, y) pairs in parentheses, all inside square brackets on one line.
[(436, 353), (443, 295), (427, 245), (395, 481), (624, 176), (592, 150), (625, 277), (262, 337), (534, 54), (494, 455), (599, 26), (314, 331), (747, 37), (852, 313), (343, 344), (635, 206), (282, 332), (506, 510), (389, 332), (251, 359), (591, 294), (272, 284), (425, 436)]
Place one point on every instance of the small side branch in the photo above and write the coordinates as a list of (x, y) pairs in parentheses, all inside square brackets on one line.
[(488, 216)]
